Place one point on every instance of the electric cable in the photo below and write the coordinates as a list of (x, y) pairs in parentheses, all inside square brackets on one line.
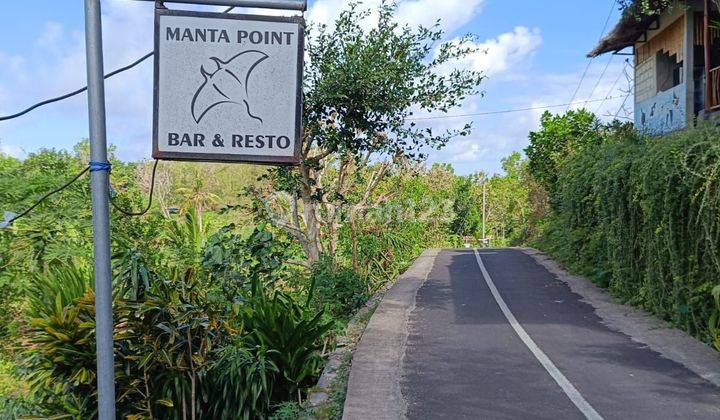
[(81, 90), (597, 83), (48, 195), (150, 200), (612, 87), (76, 92), (602, 33), (506, 111)]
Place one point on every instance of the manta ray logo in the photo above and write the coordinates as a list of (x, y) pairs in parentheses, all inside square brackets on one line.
[(226, 83)]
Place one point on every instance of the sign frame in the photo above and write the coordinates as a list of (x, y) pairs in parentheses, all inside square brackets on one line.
[(222, 157)]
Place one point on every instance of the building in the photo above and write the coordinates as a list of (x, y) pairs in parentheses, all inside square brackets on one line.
[(677, 63)]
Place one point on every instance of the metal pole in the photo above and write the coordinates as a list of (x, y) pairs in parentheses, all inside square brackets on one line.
[(300, 5), (101, 216), (483, 217), (708, 58)]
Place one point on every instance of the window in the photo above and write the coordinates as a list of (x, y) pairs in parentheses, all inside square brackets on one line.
[(669, 71)]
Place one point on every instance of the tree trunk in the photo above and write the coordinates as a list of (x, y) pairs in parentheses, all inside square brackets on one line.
[(354, 238), (312, 245)]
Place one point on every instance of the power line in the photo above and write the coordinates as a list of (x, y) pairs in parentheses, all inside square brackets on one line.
[(48, 195), (622, 105), (612, 87), (602, 33), (506, 111), (597, 83), (150, 200), (81, 90), (91, 167), (76, 92)]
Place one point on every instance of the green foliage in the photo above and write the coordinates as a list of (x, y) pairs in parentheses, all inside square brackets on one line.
[(467, 218), (291, 411), (516, 204), (714, 322), (559, 137), (277, 322), (416, 215), (55, 234), (235, 262), (241, 382), (340, 291), (643, 8), (206, 333), (61, 359), (15, 398), (362, 82), (642, 217)]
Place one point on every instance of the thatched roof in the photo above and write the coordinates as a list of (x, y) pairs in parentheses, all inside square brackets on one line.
[(631, 27)]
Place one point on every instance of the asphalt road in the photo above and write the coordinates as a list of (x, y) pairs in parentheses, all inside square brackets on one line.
[(464, 358)]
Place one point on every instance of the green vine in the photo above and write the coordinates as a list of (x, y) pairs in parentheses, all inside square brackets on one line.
[(642, 217)]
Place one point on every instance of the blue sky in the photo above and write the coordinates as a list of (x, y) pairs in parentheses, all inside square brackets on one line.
[(535, 56)]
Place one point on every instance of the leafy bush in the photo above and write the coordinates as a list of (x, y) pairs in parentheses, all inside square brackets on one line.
[(337, 290), (560, 136), (277, 322), (187, 344), (61, 355), (642, 217), (241, 382)]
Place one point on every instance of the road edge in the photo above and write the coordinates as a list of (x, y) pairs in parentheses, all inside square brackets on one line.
[(373, 390), (639, 325)]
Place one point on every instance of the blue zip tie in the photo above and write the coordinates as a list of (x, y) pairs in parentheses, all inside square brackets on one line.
[(100, 166)]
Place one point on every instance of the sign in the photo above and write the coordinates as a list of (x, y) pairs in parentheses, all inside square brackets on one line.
[(227, 87)]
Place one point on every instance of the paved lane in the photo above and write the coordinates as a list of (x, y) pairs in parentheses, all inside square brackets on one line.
[(464, 359)]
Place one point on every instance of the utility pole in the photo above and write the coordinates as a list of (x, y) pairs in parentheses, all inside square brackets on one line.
[(483, 210), (100, 183)]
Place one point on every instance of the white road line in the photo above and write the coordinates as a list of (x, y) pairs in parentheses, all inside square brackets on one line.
[(549, 366)]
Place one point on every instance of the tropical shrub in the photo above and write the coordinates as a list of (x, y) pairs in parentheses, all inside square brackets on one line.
[(642, 217), (241, 381), (275, 321), (207, 333), (337, 290)]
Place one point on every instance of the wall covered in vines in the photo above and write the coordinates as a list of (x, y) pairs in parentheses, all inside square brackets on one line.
[(641, 216)]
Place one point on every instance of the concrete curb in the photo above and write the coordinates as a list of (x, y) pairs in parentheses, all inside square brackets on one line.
[(374, 386), (346, 344), (639, 325)]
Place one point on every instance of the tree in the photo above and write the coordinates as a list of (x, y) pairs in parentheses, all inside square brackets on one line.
[(643, 8), (361, 85), (467, 217), (559, 137)]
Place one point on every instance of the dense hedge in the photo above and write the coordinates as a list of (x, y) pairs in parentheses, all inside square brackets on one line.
[(641, 216)]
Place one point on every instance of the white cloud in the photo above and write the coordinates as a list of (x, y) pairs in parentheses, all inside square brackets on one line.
[(500, 54), (52, 33), (496, 136), (9, 150), (56, 64), (453, 14), (463, 150)]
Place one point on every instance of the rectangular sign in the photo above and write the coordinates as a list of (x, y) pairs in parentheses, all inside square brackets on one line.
[(227, 87)]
